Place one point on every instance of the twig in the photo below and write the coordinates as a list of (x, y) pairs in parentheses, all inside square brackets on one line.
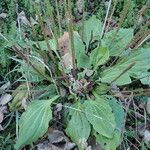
[(44, 33), (58, 17), (142, 41), (103, 28), (109, 20), (18, 20), (50, 14), (21, 55), (53, 80)]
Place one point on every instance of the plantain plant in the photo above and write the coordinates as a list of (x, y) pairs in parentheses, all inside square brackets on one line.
[(78, 69)]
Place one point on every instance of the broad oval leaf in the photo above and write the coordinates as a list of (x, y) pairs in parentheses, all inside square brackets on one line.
[(78, 127), (118, 112), (99, 56), (145, 78), (113, 143), (117, 42), (34, 122), (82, 58), (141, 58), (92, 28), (108, 75), (99, 114), (109, 143)]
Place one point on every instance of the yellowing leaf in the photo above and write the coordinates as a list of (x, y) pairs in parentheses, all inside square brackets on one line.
[(34, 122), (20, 94)]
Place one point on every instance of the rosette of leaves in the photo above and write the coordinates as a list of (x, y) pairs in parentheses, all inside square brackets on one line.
[(92, 112)]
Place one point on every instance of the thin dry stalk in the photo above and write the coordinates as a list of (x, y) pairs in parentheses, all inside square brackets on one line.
[(58, 18), (121, 20), (109, 19), (44, 33), (51, 16), (70, 30), (24, 57), (104, 25)]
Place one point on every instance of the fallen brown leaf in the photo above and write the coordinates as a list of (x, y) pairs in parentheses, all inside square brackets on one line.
[(63, 44)]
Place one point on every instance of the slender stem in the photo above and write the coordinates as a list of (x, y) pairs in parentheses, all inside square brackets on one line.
[(21, 55), (17, 124), (58, 17), (145, 38), (83, 9), (44, 32), (4, 37), (70, 29), (109, 20), (104, 25), (51, 16), (121, 20), (18, 21), (34, 35)]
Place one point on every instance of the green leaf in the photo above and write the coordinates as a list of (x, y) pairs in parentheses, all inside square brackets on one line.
[(78, 127), (82, 58), (44, 91), (117, 111), (36, 73), (34, 122), (145, 78), (92, 28), (52, 43), (99, 114), (117, 42), (109, 143), (99, 56), (113, 143), (101, 89), (140, 57), (108, 75)]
